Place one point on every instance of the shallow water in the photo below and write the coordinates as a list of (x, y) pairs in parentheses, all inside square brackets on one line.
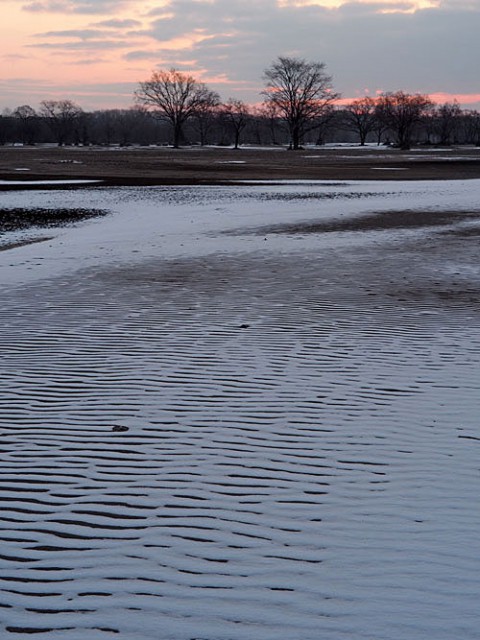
[(225, 437)]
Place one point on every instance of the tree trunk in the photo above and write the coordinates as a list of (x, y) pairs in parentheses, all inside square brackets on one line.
[(177, 134), (295, 143)]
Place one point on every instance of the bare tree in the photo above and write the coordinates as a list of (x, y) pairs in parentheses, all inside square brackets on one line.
[(471, 126), (174, 97), (204, 116), (129, 123), (269, 112), (106, 121), (27, 123), (62, 117), (380, 128), (401, 112), (237, 115), (258, 129), (323, 124), (361, 117), (5, 128), (447, 117), (301, 91)]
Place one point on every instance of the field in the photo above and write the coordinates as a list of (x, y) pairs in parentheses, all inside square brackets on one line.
[(157, 165), (240, 412)]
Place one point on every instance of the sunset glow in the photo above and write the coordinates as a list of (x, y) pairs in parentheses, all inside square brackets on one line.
[(96, 51)]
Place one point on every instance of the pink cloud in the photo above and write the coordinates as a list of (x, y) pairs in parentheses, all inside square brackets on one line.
[(461, 98)]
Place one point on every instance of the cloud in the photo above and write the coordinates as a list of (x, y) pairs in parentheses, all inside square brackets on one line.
[(380, 5), (75, 6), (415, 45), (87, 61), (89, 39), (14, 56), (54, 7), (83, 45), (462, 98), (361, 43), (460, 5), (119, 24), (83, 34), (352, 8)]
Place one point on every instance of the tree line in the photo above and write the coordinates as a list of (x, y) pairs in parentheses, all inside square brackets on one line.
[(299, 107)]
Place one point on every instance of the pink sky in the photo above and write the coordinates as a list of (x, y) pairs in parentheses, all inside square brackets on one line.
[(96, 51)]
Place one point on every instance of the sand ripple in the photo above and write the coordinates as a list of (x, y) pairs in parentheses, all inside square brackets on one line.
[(241, 447)]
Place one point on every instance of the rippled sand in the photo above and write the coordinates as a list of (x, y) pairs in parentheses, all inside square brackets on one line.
[(241, 414)]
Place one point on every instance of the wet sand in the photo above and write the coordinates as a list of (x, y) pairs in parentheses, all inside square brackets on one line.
[(244, 414)]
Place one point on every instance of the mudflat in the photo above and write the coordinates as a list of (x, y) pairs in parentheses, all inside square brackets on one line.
[(197, 165), (241, 412)]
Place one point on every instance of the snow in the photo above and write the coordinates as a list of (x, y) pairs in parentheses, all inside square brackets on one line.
[(299, 458)]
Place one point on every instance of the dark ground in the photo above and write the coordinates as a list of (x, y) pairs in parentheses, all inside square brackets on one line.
[(166, 166)]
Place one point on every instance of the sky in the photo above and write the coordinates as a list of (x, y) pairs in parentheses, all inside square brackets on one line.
[(95, 52)]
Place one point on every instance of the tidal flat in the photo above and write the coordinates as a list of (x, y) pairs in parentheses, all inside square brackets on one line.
[(242, 412)]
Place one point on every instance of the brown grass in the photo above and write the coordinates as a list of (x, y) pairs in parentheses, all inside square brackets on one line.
[(164, 166)]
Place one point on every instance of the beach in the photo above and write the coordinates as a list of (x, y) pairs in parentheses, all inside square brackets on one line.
[(245, 409)]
